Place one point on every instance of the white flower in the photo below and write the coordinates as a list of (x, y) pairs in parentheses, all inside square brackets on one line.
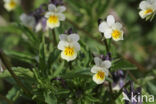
[(27, 20), (10, 5), (111, 29), (148, 8), (100, 69), (55, 15), (69, 46)]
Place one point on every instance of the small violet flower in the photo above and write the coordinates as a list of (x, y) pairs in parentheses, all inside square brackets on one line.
[(10, 5), (55, 15), (111, 29), (100, 69), (69, 46), (148, 9)]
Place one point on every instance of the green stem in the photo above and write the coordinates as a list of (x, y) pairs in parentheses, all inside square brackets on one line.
[(8, 66), (6, 99), (54, 37), (70, 65), (108, 51)]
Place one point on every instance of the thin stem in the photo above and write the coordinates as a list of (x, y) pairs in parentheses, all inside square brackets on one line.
[(108, 51), (6, 99), (8, 66), (70, 65), (54, 37), (106, 44)]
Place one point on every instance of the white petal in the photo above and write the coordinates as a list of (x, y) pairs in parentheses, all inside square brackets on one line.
[(76, 46), (103, 26), (97, 61), (63, 37), (48, 14), (68, 58), (117, 25), (73, 37), (143, 5), (141, 13), (110, 20), (52, 25), (52, 7), (107, 33), (62, 45), (120, 38), (61, 9), (97, 80), (106, 71), (61, 17), (95, 69), (106, 64)]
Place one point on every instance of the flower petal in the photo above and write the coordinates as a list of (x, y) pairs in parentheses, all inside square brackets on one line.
[(52, 7), (53, 25), (63, 37), (107, 33), (110, 20), (120, 37), (143, 5), (97, 61), (69, 58), (61, 17), (106, 64), (103, 26), (48, 14), (98, 80), (106, 71), (117, 25), (76, 46), (62, 45), (95, 69), (61, 9), (73, 37)]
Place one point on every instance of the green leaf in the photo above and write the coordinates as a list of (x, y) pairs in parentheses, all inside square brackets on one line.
[(19, 71), (59, 70), (62, 91), (78, 74), (25, 57), (52, 58), (13, 94), (42, 57), (122, 64), (92, 99), (49, 98)]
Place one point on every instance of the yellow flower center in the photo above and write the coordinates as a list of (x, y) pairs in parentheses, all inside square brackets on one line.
[(116, 34), (148, 11), (69, 51), (100, 75), (53, 19), (12, 4)]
